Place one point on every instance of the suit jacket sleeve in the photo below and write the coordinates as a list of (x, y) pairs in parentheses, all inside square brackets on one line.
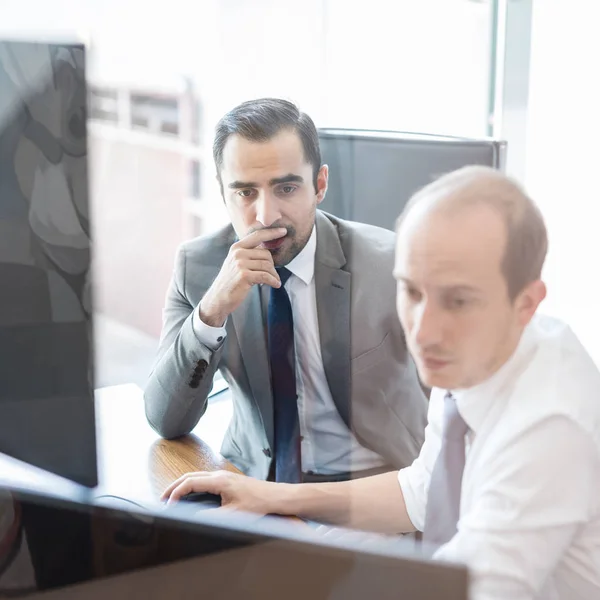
[(181, 379)]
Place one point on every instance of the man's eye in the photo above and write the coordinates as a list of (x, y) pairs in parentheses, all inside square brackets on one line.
[(413, 294), (288, 189), (458, 302), (245, 193)]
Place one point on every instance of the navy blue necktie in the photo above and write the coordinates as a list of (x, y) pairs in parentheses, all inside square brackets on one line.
[(280, 325)]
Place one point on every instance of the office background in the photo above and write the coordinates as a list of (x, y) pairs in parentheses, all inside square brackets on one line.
[(162, 74)]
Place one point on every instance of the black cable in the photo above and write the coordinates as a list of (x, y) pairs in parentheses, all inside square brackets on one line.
[(133, 530), (120, 498)]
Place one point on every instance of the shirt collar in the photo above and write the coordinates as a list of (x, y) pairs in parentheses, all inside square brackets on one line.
[(474, 403), (303, 265)]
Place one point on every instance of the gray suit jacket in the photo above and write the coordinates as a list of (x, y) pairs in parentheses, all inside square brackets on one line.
[(369, 371)]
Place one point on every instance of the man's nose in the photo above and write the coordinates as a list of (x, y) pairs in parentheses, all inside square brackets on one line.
[(427, 325), (267, 209)]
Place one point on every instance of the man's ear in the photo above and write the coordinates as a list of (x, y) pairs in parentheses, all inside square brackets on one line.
[(322, 181), (529, 300)]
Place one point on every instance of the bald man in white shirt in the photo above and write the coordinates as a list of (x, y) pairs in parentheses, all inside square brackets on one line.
[(508, 478)]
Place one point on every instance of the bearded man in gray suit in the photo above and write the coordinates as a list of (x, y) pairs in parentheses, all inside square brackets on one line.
[(296, 308)]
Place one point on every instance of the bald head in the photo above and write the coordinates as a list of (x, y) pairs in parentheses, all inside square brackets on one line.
[(462, 194), (470, 251)]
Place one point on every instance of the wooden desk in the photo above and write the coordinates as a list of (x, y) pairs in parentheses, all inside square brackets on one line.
[(134, 462)]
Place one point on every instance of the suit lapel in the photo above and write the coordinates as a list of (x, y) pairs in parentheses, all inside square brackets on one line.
[(249, 328), (333, 287)]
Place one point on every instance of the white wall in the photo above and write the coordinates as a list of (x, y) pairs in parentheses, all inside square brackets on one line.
[(563, 154)]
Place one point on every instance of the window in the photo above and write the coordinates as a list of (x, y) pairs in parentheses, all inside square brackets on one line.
[(158, 114), (103, 104), (195, 186), (416, 65), (409, 65)]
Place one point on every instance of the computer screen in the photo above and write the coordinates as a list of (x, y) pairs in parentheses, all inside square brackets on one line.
[(69, 549), (46, 366)]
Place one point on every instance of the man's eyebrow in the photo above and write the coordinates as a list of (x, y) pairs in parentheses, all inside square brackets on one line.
[(289, 178), (459, 287), (240, 185)]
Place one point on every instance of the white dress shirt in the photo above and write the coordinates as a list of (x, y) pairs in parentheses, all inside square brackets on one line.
[(328, 446), (529, 525)]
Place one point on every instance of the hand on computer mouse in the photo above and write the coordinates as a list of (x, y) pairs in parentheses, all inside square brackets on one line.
[(204, 498), (236, 491)]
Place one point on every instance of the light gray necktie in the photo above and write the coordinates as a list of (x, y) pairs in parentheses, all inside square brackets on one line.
[(443, 500)]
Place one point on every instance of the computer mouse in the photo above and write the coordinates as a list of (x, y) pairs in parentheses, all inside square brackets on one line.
[(212, 500)]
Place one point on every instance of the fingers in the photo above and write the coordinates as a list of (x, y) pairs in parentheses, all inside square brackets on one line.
[(258, 254), (173, 485), (192, 482), (256, 238), (185, 487), (255, 266), (251, 272), (260, 265), (257, 277)]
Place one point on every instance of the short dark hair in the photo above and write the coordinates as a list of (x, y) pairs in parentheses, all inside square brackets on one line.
[(527, 237), (262, 119)]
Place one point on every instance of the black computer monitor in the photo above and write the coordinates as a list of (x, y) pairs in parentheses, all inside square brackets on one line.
[(46, 368), (84, 550)]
